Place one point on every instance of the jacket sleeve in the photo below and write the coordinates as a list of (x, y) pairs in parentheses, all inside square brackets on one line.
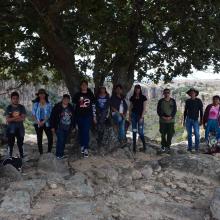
[(159, 108), (201, 111), (174, 109), (206, 115)]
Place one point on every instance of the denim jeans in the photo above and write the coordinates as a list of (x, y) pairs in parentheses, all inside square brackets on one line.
[(84, 124), (120, 122), (137, 126), (192, 124), (62, 136), (212, 126)]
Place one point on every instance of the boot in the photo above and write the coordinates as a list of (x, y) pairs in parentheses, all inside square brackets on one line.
[(134, 141), (144, 144)]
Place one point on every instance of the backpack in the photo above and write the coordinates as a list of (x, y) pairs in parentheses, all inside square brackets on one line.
[(14, 161)]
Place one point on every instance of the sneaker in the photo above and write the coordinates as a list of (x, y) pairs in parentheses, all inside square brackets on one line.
[(86, 153), (82, 150), (168, 150), (189, 150), (60, 157), (163, 149)]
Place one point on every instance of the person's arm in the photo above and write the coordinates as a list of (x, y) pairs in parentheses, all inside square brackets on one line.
[(201, 112), (205, 116), (159, 108), (53, 119), (21, 117), (144, 109), (130, 110), (93, 108), (34, 110)]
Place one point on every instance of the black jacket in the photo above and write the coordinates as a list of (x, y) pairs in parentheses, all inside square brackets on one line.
[(115, 102), (56, 116)]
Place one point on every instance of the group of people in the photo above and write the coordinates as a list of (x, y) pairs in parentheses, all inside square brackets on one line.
[(87, 109)]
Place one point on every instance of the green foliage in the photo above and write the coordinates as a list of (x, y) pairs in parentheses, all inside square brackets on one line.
[(157, 39)]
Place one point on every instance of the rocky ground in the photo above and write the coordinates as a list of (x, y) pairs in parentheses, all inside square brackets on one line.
[(112, 186)]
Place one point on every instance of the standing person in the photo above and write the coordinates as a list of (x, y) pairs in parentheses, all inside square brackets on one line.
[(102, 111), (85, 113), (119, 109), (138, 103), (41, 112), (15, 116), (193, 109), (211, 119), (61, 122), (166, 110)]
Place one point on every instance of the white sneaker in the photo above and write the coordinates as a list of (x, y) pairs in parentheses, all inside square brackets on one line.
[(82, 150), (86, 153)]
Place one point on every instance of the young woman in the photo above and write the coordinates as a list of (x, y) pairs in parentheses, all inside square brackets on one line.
[(102, 108), (85, 113), (137, 110), (62, 121), (41, 114), (211, 118), (119, 110)]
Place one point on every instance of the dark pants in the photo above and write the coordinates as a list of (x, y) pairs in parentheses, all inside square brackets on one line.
[(167, 131), (84, 124), (11, 142), (62, 136), (48, 132), (101, 119)]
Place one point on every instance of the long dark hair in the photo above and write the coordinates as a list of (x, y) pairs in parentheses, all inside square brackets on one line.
[(137, 87)]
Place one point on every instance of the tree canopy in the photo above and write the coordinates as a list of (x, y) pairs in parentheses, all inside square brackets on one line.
[(157, 39)]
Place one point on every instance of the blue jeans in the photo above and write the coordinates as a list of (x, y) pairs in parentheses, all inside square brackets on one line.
[(212, 126), (192, 124), (136, 125), (62, 136), (120, 122), (84, 124)]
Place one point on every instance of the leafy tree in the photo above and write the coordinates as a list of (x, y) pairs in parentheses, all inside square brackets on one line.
[(113, 39)]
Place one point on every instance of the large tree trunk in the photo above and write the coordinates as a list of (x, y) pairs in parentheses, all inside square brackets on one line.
[(63, 59), (53, 38)]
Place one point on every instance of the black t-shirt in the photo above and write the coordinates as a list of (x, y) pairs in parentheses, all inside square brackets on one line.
[(84, 103), (66, 118), (138, 104), (192, 109)]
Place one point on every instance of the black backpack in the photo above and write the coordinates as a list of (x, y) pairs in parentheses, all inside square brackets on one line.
[(14, 161)]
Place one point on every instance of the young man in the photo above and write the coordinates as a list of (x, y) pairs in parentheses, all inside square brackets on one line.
[(193, 109), (166, 109), (15, 116), (119, 109), (62, 121)]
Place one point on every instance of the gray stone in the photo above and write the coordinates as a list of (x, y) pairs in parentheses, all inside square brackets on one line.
[(10, 173), (215, 204), (49, 163), (33, 187), (80, 186), (147, 172), (16, 202), (199, 165)]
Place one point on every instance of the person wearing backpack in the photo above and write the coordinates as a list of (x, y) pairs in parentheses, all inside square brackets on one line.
[(41, 112), (211, 119), (62, 121), (15, 115), (166, 110)]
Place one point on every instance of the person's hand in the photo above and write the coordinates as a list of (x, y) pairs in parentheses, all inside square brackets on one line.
[(53, 130), (141, 120), (94, 120), (165, 118)]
